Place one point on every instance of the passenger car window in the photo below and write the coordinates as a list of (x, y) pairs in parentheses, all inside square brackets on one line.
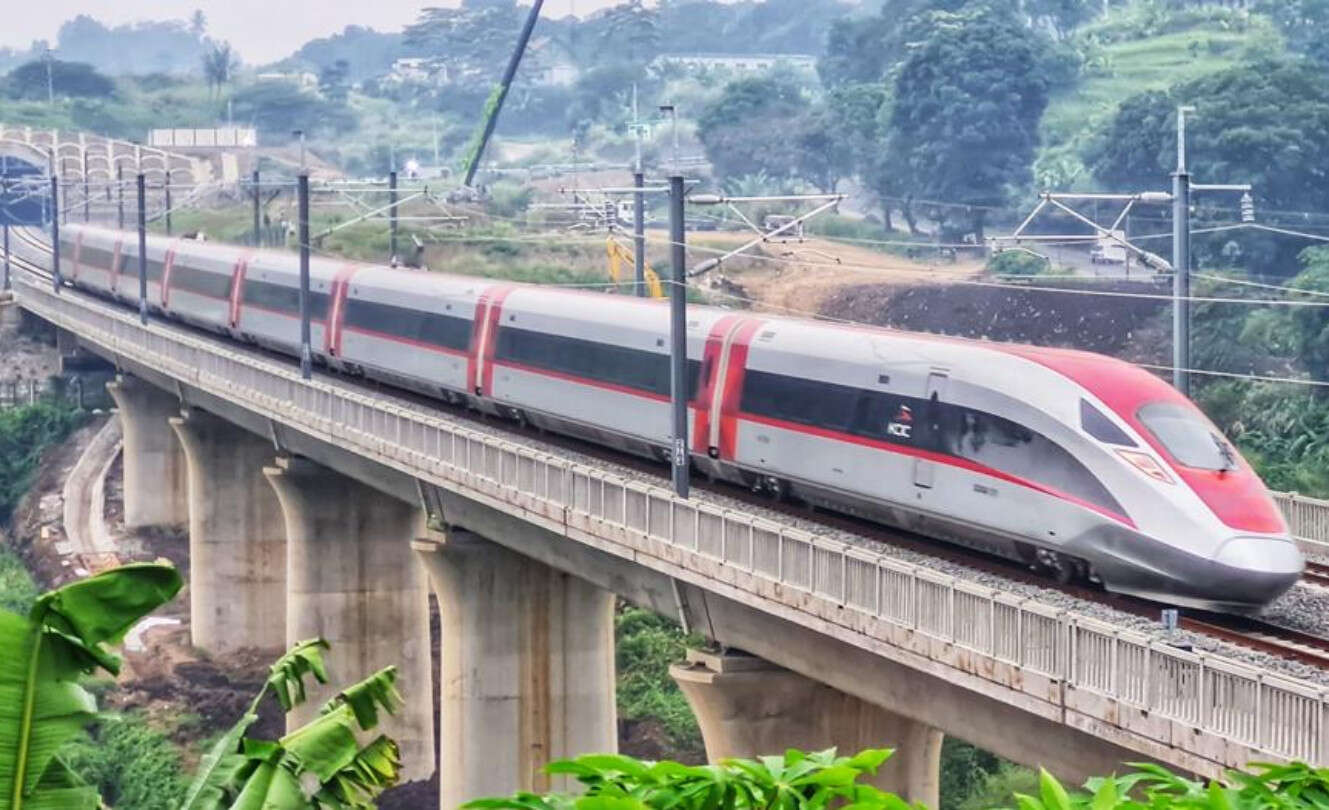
[(1187, 436), (1096, 424)]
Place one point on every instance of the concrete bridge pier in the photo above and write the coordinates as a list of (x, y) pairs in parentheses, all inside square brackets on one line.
[(237, 541), (527, 671), (156, 483), (747, 706), (352, 579)]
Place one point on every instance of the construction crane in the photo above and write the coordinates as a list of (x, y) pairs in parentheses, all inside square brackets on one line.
[(494, 104), (620, 255)]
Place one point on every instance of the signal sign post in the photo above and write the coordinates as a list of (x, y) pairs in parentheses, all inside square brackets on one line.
[(678, 337)]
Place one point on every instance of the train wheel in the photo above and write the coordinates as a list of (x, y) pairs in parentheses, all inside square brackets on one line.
[(1060, 567)]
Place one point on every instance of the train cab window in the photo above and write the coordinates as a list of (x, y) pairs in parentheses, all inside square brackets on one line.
[(1093, 422), (1187, 436)]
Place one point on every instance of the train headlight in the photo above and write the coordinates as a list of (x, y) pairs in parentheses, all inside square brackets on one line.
[(1146, 464)]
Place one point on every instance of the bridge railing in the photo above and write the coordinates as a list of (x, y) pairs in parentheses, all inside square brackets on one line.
[(1195, 708), (1308, 518)]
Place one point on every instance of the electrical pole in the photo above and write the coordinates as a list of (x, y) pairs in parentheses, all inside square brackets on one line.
[(6, 286), (166, 189), (141, 187), (392, 217), (638, 208), (306, 355), (87, 197), (56, 280), (258, 205), (120, 197), (50, 81), (1181, 263), (678, 338)]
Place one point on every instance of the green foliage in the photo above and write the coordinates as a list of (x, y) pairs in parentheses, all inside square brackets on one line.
[(997, 789), (965, 771), (509, 200), (746, 129), (1265, 123), (839, 137), (279, 107), (17, 589), (29, 81), (973, 87), (42, 704), (795, 781), (645, 647), (319, 765), (1295, 785), (132, 766), (25, 433), (1017, 263)]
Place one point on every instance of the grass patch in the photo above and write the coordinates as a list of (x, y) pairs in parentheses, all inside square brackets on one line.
[(133, 766)]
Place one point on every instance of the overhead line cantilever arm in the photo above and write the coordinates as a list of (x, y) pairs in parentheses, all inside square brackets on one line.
[(711, 264)]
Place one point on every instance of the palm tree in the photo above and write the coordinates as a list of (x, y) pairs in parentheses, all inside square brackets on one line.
[(219, 63)]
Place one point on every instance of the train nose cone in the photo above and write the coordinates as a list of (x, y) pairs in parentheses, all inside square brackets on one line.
[(1257, 570), (1263, 555)]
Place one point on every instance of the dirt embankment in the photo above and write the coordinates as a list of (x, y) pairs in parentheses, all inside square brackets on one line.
[(1123, 326)]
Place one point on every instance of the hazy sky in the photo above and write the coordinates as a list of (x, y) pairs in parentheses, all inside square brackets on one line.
[(262, 30)]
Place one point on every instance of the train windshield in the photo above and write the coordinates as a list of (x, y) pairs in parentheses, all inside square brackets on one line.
[(1188, 437)]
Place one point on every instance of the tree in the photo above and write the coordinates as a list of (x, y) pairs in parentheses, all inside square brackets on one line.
[(746, 130), (840, 136), (965, 114), (280, 107), (218, 64), (1266, 124), (633, 27), (198, 23), (42, 657), (333, 81), (28, 81), (469, 40)]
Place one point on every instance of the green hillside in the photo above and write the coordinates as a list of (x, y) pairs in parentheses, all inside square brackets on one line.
[(1133, 49)]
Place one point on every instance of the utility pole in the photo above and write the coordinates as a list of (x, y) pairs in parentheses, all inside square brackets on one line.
[(392, 217), (1181, 263), (678, 338), (120, 197), (166, 189), (306, 355), (87, 197), (258, 205), (50, 81), (56, 279), (141, 187), (6, 286), (673, 119), (638, 208)]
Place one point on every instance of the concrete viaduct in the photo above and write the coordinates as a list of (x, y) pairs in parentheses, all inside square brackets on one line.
[(327, 508)]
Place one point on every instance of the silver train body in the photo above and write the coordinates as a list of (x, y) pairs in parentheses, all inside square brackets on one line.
[(1073, 462)]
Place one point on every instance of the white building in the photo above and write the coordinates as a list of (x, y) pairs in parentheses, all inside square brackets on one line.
[(736, 62)]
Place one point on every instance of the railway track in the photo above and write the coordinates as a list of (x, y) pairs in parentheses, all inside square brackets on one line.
[(1317, 573), (1242, 631)]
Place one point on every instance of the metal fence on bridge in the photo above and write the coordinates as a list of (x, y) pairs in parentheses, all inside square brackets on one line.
[(1308, 519), (1198, 710)]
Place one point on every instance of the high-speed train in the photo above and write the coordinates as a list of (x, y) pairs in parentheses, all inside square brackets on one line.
[(1075, 463)]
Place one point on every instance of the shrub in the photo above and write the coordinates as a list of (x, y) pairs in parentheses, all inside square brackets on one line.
[(1017, 263)]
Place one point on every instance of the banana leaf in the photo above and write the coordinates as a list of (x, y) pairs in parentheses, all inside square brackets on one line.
[(321, 764), (42, 657)]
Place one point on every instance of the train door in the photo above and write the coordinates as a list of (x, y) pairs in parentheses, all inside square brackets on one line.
[(925, 469)]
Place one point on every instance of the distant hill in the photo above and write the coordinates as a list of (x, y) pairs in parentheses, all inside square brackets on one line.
[(1133, 49)]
